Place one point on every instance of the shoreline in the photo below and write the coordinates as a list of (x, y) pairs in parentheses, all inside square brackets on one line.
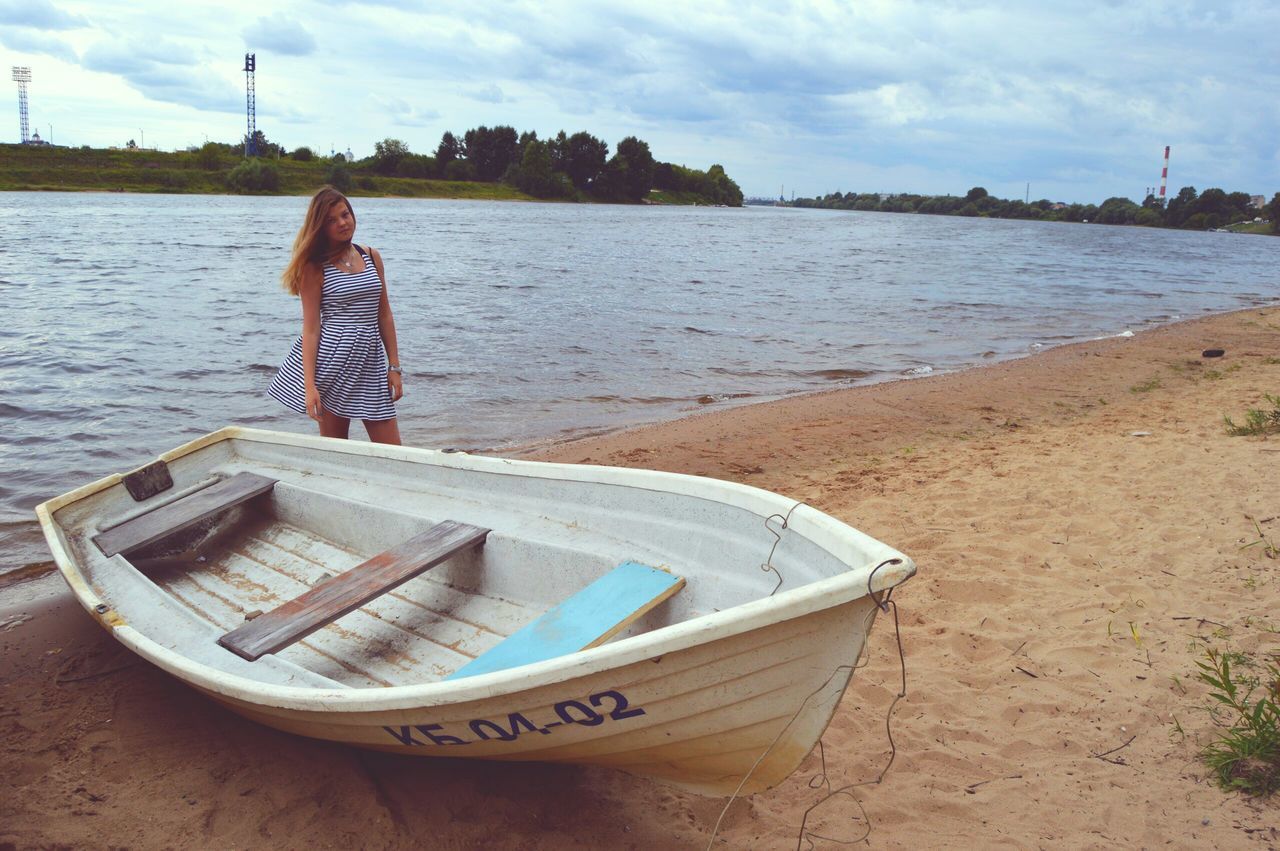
[(549, 446), (534, 448), (1085, 530), (354, 192)]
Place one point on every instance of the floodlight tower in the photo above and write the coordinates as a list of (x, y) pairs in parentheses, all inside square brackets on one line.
[(22, 76), (250, 140)]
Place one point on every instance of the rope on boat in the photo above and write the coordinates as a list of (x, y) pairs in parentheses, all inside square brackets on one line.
[(768, 567), (884, 604), (821, 778)]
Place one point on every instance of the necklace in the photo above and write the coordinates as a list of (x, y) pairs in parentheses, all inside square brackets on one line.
[(346, 263)]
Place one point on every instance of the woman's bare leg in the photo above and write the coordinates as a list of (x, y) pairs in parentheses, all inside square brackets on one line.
[(383, 431), (332, 425)]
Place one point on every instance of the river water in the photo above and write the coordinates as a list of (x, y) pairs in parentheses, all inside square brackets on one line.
[(132, 323)]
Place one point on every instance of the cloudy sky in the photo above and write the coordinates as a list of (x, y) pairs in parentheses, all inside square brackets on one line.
[(1076, 98)]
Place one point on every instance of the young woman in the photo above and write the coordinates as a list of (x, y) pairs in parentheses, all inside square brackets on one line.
[(345, 365)]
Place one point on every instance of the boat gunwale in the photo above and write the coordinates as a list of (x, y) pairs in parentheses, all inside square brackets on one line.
[(806, 599)]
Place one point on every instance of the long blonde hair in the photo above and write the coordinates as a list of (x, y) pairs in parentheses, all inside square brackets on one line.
[(311, 245)]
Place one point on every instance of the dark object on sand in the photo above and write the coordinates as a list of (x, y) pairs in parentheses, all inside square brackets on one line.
[(1212, 353)]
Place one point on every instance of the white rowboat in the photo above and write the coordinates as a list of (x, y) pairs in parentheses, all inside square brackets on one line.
[(731, 678)]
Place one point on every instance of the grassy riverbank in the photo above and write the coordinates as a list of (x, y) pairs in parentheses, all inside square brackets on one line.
[(1251, 227), (53, 169), (100, 170)]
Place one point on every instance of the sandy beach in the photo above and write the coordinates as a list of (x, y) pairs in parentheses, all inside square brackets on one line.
[(1083, 527)]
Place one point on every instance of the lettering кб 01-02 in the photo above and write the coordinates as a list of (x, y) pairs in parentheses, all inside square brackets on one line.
[(486, 730)]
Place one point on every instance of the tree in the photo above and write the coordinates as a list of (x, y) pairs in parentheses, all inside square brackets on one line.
[(253, 175), (388, 154), (1117, 211), (1147, 218), (559, 148), (209, 157), (525, 138), (715, 187), (1180, 207), (1241, 205), (629, 173), (583, 159), (460, 170), (1213, 203), (504, 152), (664, 177), (262, 146), (975, 194), (303, 154), (534, 174), (447, 151), (491, 150), (416, 166), (337, 176), (724, 190), (1273, 212)]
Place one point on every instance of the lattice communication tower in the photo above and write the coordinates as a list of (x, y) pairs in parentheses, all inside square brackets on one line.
[(250, 139), (22, 76)]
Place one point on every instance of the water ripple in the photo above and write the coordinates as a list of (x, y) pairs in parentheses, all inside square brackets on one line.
[(517, 322)]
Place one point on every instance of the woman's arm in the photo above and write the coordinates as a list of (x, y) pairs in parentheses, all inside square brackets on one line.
[(387, 327), (310, 291)]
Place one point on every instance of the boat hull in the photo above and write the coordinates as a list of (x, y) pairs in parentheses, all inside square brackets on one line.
[(734, 715), (717, 701)]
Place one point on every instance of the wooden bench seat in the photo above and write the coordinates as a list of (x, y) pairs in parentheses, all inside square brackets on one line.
[(588, 618), (182, 513), (335, 597)]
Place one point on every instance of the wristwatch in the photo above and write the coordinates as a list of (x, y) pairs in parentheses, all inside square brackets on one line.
[(397, 370)]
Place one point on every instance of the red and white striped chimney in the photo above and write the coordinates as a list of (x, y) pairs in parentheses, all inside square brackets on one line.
[(1164, 175)]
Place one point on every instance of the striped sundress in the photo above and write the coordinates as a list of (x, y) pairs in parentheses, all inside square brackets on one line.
[(351, 363)]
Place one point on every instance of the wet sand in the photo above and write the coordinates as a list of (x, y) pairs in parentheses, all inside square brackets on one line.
[(1071, 574)]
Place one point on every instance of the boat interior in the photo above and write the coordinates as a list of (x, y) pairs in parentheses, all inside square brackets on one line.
[(415, 566)]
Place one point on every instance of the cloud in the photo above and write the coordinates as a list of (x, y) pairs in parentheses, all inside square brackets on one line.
[(166, 72), (34, 41), (279, 34), (929, 93), (194, 88), (136, 56), (286, 114), (38, 14), (403, 114), (487, 94)]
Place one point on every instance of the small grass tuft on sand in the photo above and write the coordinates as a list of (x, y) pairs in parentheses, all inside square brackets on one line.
[(1146, 386), (1257, 421), (1245, 756), (1269, 549), (1218, 375)]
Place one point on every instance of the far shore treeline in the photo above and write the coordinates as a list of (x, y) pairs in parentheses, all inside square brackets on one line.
[(484, 162), (1188, 210)]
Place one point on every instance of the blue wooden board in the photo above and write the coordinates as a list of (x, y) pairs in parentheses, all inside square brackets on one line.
[(581, 621)]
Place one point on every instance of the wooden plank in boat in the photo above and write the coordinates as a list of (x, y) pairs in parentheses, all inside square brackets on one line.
[(292, 621), (589, 618), (182, 513)]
